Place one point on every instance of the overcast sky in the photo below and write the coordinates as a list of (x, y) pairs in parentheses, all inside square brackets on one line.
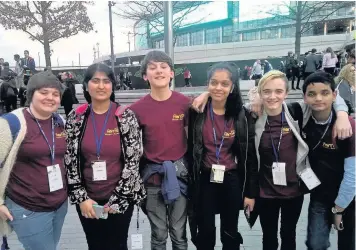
[(66, 51)]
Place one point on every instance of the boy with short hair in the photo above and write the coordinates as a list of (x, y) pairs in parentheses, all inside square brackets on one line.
[(333, 161), (162, 114)]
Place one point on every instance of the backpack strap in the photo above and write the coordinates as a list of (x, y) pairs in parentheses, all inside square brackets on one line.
[(297, 113), (14, 124)]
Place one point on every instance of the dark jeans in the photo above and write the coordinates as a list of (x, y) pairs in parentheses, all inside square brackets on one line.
[(295, 74), (330, 70), (109, 234), (290, 211), (187, 82), (320, 219), (226, 198)]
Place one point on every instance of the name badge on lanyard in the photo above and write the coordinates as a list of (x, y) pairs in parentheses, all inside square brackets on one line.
[(278, 168), (217, 171), (99, 166), (54, 173)]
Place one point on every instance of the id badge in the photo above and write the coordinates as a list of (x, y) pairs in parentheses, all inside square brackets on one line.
[(217, 173), (279, 173), (99, 170), (54, 178), (136, 241), (309, 178)]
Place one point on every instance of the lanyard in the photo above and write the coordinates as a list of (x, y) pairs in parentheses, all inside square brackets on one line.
[(98, 141), (276, 151), (51, 149), (217, 148), (326, 130)]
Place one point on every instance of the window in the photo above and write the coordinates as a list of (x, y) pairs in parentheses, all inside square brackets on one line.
[(227, 34), (287, 32), (212, 36), (269, 34), (196, 38), (250, 36), (182, 40)]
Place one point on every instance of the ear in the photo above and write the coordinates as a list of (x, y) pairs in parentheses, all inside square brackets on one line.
[(172, 74), (145, 78), (334, 95)]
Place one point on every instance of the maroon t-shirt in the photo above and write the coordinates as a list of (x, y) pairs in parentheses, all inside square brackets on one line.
[(110, 152), (163, 122), (28, 183), (287, 154), (226, 156)]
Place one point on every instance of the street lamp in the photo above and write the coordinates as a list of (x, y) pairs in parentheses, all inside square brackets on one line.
[(112, 56), (168, 32)]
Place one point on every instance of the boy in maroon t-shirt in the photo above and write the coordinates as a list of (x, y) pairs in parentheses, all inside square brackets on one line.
[(162, 114), (333, 162)]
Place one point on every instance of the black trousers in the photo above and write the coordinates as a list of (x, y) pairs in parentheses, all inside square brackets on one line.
[(269, 213), (330, 70), (109, 234), (10, 103), (295, 74), (226, 198)]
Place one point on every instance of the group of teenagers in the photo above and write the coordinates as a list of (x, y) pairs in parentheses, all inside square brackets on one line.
[(180, 160)]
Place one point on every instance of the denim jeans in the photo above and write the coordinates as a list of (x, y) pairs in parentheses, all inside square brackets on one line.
[(37, 230), (164, 218), (290, 210), (320, 219)]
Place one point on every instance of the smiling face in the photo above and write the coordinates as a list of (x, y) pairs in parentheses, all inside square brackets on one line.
[(46, 101), (273, 93), (158, 74), (319, 96), (220, 85), (100, 87)]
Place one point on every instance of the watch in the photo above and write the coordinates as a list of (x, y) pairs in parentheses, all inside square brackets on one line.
[(335, 211)]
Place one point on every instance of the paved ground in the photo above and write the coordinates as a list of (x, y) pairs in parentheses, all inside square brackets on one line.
[(73, 237)]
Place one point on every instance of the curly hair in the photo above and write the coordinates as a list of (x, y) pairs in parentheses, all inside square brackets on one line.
[(347, 73)]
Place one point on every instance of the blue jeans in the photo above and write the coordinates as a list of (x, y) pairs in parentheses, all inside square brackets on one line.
[(320, 219), (37, 230)]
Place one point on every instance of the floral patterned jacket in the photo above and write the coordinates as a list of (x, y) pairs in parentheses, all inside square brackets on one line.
[(130, 189)]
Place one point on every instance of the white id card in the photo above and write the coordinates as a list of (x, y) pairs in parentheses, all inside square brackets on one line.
[(217, 173), (54, 178), (136, 241), (279, 173), (99, 170), (309, 178)]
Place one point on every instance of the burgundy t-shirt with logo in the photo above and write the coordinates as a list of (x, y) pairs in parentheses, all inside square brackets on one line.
[(110, 152), (28, 183), (287, 154), (163, 122), (226, 156)]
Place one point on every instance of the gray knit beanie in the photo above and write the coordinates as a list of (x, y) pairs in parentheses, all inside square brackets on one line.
[(43, 80)]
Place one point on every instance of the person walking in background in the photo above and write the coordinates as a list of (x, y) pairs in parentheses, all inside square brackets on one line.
[(28, 62), (8, 90), (102, 161), (346, 85), (311, 63), (18, 71), (329, 61), (292, 69), (187, 77), (256, 72), (267, 67), (33, 184), (69, 96)]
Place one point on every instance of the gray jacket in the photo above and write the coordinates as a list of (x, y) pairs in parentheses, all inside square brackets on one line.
[(311, 63), (347, 93)]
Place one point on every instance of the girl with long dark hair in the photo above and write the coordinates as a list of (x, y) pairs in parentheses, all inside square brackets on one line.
[(222, 161)]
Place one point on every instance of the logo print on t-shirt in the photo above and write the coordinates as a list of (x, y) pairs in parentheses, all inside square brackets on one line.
[(178, 117), (60, 135), (114, 131), (286, 131), (230, 134), (328, 145)]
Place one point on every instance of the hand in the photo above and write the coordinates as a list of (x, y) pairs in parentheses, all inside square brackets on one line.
[(338, 222), (256, 105), (5, 213), (86, 207), (200, 102), (250, 203), (342, 127)]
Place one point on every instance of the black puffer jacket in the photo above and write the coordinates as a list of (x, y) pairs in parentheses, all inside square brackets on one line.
[(243, 148)]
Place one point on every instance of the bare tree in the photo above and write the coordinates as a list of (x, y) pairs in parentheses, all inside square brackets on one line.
[(46, 22), (149, 16), (303, 13)]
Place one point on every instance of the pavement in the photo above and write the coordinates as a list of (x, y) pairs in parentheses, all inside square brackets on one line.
[(73, 237)]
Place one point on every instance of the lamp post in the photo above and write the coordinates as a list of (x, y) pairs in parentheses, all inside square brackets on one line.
[(168, 32), (97, 51), (112, 56)]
